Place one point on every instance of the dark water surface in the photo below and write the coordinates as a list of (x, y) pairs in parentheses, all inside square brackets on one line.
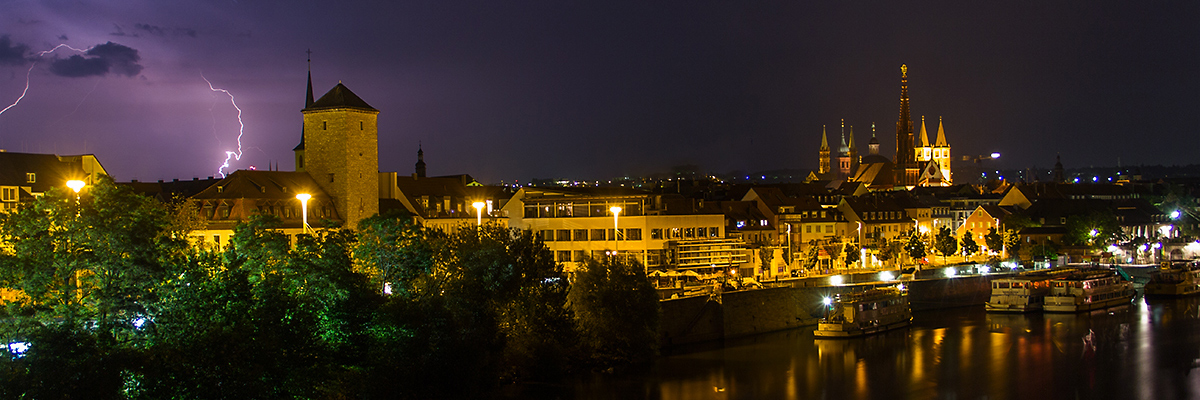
[(1149, 349)]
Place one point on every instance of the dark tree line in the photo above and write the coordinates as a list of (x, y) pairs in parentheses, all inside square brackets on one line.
[(115, 303)]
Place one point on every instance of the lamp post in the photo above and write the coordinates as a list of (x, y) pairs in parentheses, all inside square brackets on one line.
[(616, 212), (76, 185), (478, 212), (303, 197)]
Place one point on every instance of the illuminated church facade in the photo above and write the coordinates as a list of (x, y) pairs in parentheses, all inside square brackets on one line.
[(918, 162)]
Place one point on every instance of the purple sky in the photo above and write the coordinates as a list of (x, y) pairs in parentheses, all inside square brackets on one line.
[(508, 90)]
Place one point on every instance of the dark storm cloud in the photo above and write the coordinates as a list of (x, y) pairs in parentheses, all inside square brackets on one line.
[(100, 60), (161, 31), (11, 54), (121, 32)]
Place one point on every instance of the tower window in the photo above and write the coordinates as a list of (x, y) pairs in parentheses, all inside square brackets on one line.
[(324, 125), (360, 125)]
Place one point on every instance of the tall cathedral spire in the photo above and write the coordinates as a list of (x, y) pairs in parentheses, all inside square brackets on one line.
[(906, 167), (842, 149)]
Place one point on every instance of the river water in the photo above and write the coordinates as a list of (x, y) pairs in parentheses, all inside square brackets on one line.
[(1149, 349)]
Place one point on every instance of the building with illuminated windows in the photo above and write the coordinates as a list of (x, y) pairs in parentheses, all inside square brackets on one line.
[(577, 223)]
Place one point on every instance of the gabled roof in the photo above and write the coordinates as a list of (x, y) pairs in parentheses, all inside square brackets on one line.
[(165, 191), (270, 185), (340, 97), (50, 170)]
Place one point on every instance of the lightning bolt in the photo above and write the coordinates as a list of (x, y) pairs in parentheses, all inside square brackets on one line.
[(241, 128), (40, 54)]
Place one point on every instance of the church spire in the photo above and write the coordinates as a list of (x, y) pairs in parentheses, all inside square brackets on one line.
[(308, 102), (873, 145), (843, 149), (941, 137), (905, 162), (851, 139), (824, 140), (924, 135), (420, 166)]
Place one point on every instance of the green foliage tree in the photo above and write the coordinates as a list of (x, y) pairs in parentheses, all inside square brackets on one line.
[(616, 309), (1103, 224), (969, 247), (852, 254), (945, 243), (994, 240), (1012, 243), (915, 247)]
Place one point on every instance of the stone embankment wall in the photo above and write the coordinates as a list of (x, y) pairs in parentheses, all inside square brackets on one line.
[(748, 312)]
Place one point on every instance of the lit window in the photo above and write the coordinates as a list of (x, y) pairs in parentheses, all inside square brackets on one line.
[(31, 177), (10, 194)]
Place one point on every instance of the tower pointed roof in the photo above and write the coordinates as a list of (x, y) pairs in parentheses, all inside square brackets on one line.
[(340, 97), (824, 140), (851, 140), (843, 147), (308, 102), (941, 137), (924, 136)]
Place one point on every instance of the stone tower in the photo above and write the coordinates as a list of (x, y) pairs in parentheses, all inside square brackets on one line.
[(341, 152)]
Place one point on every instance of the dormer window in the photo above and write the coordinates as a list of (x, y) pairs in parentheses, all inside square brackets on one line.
[(9, 193), (31, 177)]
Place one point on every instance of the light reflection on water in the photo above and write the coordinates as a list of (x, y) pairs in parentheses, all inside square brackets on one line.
[(1148, 350)]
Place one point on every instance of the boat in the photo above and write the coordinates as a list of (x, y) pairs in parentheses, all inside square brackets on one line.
[(1183, 280), (1019, 294), (863, 313), (1088, 290)]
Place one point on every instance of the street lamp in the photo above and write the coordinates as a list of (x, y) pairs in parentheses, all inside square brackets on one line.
[(303, 197), (76, 185), (478, 212), (616, 212)]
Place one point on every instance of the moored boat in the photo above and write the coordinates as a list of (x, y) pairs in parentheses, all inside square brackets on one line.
[(1183, 280), (864, 313), (1088, 290), (1019, 294)]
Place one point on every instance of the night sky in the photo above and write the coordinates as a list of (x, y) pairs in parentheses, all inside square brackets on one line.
[(506, 90)]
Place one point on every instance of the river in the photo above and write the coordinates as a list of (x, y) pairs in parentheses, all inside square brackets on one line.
[(1149, 349)]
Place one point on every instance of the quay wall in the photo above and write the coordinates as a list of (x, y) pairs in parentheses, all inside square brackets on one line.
[(796, 304)]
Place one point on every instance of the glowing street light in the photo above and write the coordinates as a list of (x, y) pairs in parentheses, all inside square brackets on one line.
[(616, 212), (76, 185), (478, 212), (995, 155), (303, 197)]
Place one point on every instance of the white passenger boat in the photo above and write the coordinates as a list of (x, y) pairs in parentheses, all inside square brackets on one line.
[(1088, 290), (864, 313), (1019, 294), (1182, 280)]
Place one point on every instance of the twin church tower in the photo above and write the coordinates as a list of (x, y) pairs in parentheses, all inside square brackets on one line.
[(917, 163)]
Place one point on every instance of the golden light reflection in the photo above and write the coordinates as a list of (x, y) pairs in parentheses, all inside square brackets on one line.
[(860, 378)]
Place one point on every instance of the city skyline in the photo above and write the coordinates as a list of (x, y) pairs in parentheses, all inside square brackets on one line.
[(520, 91)]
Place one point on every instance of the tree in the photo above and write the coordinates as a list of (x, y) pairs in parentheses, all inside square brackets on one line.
[(945, 243), (852, 254), (994, 240), (616, 310), (969, 247), (1094, 229), (1012, 242), (915, 247)]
